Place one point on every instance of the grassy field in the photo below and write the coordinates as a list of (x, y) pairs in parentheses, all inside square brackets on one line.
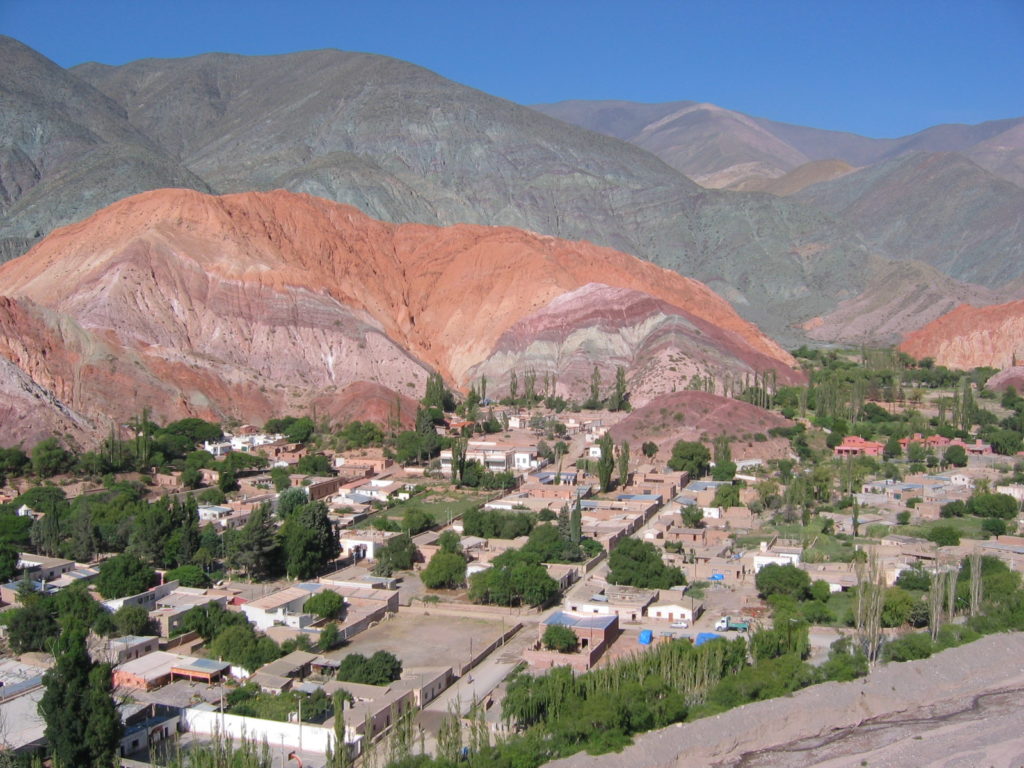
[(968, 527), (441, 508)]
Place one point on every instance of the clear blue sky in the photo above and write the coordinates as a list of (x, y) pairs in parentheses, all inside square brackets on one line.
[(880, 68)]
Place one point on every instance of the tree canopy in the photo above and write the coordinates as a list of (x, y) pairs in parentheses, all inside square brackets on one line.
[(693, 458), (638, 564), (124, 575)]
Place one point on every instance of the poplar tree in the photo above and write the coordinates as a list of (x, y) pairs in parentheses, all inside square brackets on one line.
[(83, 727)]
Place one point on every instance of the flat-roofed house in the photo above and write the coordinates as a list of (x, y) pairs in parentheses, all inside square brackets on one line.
[(160, 667)]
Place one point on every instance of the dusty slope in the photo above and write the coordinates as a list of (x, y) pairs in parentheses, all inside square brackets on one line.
[(961, 707), (900, 298), (799, 178), (971, 336), (66, 150), (690, 415), (939, 208), (251, 304)]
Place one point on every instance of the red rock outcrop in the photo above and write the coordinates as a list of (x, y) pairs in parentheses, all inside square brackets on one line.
[(690, 415), (970, 336), (256, 304)]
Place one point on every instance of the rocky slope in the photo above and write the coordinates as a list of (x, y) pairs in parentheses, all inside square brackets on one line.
[(663, 346), (972, 336), (403, 144), (801, 177), (254, 304), (960, 707), (66, 150), (693, 415), (939, 208), (901, 297)]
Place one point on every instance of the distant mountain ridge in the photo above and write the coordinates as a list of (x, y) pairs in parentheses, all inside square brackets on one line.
[(671, 129)]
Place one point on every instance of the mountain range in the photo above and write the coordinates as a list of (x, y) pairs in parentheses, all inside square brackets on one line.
[(405, 145), (248, 305), (185, 298), (712, 145)]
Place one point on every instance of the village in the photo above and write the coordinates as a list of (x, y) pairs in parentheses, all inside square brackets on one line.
[(701, 535)]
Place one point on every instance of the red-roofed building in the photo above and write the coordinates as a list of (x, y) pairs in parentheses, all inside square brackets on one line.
[(855, 445)]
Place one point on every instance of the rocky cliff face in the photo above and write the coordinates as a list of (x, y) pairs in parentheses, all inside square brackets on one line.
[(253, 304), (971, 336)]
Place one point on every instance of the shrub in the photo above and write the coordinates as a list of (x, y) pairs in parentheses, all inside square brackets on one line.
[(559, 638)]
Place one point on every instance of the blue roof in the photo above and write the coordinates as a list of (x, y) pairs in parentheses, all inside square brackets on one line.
[(706, 485), (211, 664), (564, 619), (638, 497), (705, 637)]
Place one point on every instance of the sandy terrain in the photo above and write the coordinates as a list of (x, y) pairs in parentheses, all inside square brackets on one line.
[(426, 641), (963, 707)]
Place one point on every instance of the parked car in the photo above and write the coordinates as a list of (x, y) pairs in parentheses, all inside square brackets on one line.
[(679, 624)]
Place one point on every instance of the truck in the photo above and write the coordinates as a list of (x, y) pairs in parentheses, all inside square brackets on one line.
[(726, 624)]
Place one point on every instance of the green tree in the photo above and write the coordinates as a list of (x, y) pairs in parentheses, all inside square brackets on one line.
[(789, 580), (300, 430), (726, 496), (329, 637), (132, 620), (944, 535), (638, 563), (397, 555), (314, 464), (992, 505), (955, 455), (649, 449), (723, 471), (449, 541), (437, 394), (690, 457), (446, 570), (309, 541), (560, 638), (289, 500), (624, 463), (892, 449), (594, 401), (281, 478), (606, 463), (693, 517), (326, 604), (31, 627), (381, 668), (188, 576), (49, 458), (254, 548), (83, 727), (124, 575), (896, 607), (617, 399)]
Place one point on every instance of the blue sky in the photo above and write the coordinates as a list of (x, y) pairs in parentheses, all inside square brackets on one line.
[(876, 68)]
